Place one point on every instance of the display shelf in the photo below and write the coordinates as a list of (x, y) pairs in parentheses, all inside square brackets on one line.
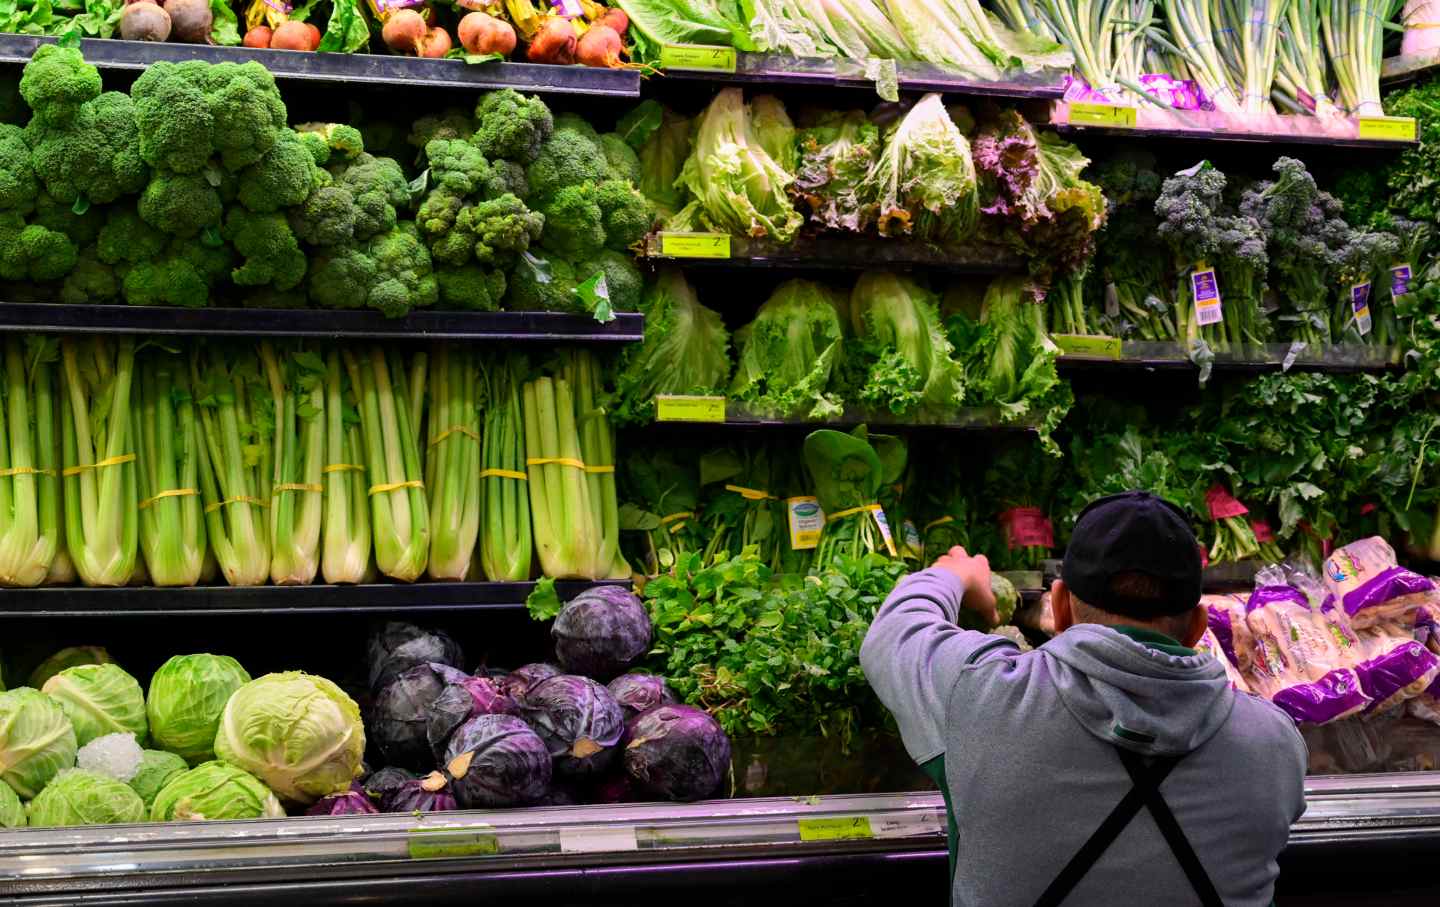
[(1148, 121), (349, 69), (208, 601), (1408, 67), (735, 415), (549, 327), (782, 70), (827, 253), (1100, 352)]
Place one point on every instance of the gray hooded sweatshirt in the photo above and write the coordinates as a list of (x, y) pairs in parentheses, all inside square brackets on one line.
[(1023, 746)]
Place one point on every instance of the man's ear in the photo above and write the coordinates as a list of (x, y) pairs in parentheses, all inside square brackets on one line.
[(1199, 620), (1060, 606)]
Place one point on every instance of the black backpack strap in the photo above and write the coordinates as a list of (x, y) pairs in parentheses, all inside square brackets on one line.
[(1174, 835)]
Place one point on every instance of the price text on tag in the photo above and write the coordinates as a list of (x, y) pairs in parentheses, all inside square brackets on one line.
[(679, 408), (1388, 129), (1095, 347), (1207, 295), (848, 828), (695, 245), (1084, 113), (697, 57), (442, 843)]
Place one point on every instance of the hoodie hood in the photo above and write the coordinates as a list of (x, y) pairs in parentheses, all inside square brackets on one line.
[(1130, 695)]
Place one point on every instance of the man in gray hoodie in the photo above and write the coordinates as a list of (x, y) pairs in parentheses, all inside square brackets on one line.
[(1112, 766)]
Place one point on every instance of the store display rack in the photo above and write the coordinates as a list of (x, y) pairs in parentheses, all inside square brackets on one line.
[(1107, 352), (735, 415), (349, 69), (827, 253), (1408, 67), (1151, 122), (550, 327), (209, 601)]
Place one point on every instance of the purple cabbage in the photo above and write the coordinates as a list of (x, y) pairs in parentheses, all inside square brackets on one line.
[(430, 794), (400, 716), (525, 677), (380, 783), (497, 761), (639, 693), (677, 752), (397, 647), (580, 722), (601, 633), (459, 702), (354, 802)]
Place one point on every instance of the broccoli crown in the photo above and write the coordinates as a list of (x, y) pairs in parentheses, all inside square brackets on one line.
[(506, 177), (379, 188), (166, 281), (574, 122), (92, 281), (180, 204), (342, 278), (624, 283), (568, 158), (391, 273), (190, 111), (18, 185), (32, 251), (456, 165), (315, 143), (623, 161), (451, 124), (511, 126), (127, 239), (470, 287), (211, 262), (500, 228), (627, 214), (283, 177), (542, 285), (340, 141), (96, 155), (266, 242), (327, 218), (249, 114), (56, 82), (574, 223), (82, 229)]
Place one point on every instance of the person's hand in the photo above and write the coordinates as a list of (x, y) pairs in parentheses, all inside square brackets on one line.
[(975, 573)]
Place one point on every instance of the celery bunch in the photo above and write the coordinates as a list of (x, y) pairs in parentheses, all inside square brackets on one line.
[(506, 542), (346, 557), (29, 463), (452, 463), (171, 513), (297, 390)]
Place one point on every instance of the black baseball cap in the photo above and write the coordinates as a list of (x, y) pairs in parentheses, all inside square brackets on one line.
[(1134, 532)]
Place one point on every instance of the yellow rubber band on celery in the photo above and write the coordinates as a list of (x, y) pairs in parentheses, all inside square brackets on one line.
[(108, 461), (593, 470), (295, 486), (343, 467), (559, 461), (751, 494), (455, 430), (504, 474), (25, 471), (169, 493), (242, 499), (395, 486)]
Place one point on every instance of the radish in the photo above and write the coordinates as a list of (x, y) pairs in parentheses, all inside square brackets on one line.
[(259, 36), (314, 35), (615, 18), (291, 35), (484, 34), (554, 43), (144, 22), (435, 44), (404, 31), (600, 46), (190, 20)]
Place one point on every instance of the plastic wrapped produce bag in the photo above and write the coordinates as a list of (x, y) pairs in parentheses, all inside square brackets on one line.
[(1301, 662), (1367, 581)]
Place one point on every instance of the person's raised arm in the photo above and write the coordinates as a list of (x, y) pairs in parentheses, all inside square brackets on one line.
[(914, 651)]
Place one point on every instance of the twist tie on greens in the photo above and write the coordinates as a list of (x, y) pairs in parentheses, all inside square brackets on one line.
[(599, 469), (559, 461), (296, 486), (343, 467), (832, 517), (751, 494), (108, 461), (395, 486), (168, 493), (504, 474)]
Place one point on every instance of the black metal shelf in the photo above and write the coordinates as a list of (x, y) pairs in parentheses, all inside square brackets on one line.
[(1150, 122), (211, 601), (1267, 358), (349, 69), (783, 70), (966, 419), (843, 253), (546, 327)]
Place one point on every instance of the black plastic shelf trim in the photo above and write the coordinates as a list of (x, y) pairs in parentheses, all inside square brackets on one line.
[(560, 327), (200, 601), (374, 69), (1222, 365), (850, 253), (1187, 135)]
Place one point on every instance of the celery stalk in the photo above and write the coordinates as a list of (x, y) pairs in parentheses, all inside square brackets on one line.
[(30, 498), (297, 390), (100, 500), (452, 462), (565, 532), (171, 515), (347, 508), (597, 445), (506, 542)]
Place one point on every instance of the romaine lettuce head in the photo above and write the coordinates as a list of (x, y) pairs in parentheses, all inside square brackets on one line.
[(100, 699), (186, 696), (37, 740), (80, 797), (788, 353), (215, 790), (299, 733)]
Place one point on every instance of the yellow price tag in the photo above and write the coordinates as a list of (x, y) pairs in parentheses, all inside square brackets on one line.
[(444, 843), (679, 408), (1388, 129), (1084, 113), (695, 245), (1096, 347), (700, 57), (848, 828)]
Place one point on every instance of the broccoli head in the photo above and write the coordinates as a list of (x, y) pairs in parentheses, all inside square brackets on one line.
[(379, 187), (568, 158), (500, 228), (470, 287), (456, 165), (574, 122), (249, 115), (436, 215), (56, 83), (391, 272), (92, 281), (342, 277), (542, 285), (506, 177), (18, 185), (126, 239), (165, 281), (327, 218), (55, 215), (626, 214), (266, 242), (96, 156), (574, 223), (623, 282), (33, 252), (180, 204), (339, 141), (511, 126), (453, 123), (191, 111), (624, 162), (283, 177)]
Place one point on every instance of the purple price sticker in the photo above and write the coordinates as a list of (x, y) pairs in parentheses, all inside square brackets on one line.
[(1399, 280), (570, 9), (1360, 302), (1207, 295)]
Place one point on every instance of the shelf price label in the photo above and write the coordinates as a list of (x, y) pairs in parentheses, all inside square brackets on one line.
[(697, 57), (448, 843), (681, 408), (844, 828), (600, 839), (1207, 295), (1098, 346), (1388, 129), (1360, 302), (1086, 113), (695, 245)]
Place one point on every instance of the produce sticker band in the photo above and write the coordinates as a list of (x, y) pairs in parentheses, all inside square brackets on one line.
[(1360, 302), (395, 486), (239, 499), (558, 461), (686, 408), (108, 461), (1400, 276), (806, 520), (343, 467), (751, 494), (295, 486), (846, 828), (911, 537), (504, 474), (678, 519), (455, 430), (697, 57), (168, 493), (600, 470), (25, 471), (1207, 295)]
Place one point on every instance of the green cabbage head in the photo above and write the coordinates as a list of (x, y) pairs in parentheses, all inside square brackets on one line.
[(214, 790), (157, 769), (80, 797), (67, 658), (298, 733), (100, 699), (12, 813), (186, 697), (36, 740)]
